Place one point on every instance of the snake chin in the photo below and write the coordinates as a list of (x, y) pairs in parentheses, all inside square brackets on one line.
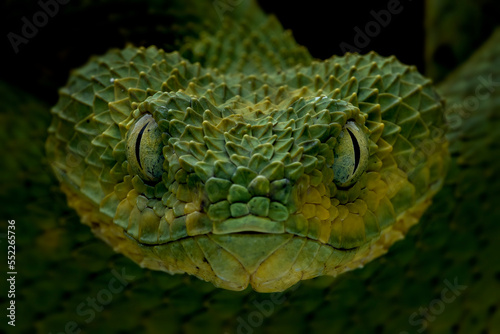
[(268, 262)]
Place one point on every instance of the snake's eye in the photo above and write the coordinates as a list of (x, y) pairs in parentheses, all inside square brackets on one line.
[(350, 155), (144, 148)]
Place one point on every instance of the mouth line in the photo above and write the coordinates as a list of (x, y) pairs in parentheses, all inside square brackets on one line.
[(236, 233), (252, 232)]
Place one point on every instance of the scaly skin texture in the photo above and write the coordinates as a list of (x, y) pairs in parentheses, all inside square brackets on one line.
[(455, 244), (172, 163)]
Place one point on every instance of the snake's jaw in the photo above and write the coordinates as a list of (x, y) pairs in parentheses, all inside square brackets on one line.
[(242, 181)]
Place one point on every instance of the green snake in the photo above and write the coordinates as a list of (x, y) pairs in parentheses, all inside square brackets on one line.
[(324, 162), (243, 162)]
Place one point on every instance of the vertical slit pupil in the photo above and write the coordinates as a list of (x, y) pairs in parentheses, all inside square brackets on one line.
[(357, 152), (138, 145)]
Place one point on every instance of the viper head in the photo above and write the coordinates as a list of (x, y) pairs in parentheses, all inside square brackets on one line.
[(268, 180)]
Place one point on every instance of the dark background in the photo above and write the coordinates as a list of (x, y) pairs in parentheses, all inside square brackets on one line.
[(79, 31), (321, 28)]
